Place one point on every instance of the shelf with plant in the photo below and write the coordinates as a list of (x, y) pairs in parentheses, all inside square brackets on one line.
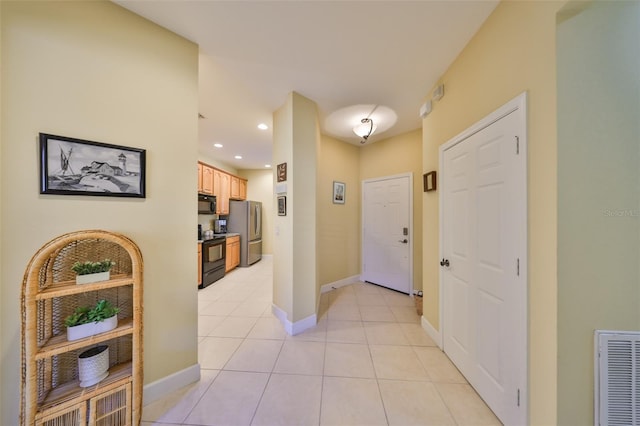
[(68, 288), (90, 272)]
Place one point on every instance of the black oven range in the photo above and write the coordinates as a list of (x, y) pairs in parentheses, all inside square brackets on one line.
[(213, 260)]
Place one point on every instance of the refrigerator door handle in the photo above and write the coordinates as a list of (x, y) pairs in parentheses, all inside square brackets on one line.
[(258, 224)]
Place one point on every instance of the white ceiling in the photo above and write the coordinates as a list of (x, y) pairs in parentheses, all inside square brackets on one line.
[(347, 56)]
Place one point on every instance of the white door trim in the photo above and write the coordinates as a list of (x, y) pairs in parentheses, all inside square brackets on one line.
[(519, 103), (411, 240)]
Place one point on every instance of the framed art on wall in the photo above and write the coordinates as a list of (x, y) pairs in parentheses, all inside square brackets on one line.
[(338, 192), (70, 166)]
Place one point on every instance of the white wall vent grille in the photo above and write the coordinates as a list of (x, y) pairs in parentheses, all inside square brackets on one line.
[(617, 378)]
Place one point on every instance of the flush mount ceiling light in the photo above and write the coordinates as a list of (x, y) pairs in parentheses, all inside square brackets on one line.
[(217, 145), (238, 157), (345, 122), (262, 126), (366, 126)]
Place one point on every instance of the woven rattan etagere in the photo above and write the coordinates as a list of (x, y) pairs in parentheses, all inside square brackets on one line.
[(50, 391)]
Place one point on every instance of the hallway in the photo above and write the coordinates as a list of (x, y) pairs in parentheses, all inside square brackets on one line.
[(367, 362)]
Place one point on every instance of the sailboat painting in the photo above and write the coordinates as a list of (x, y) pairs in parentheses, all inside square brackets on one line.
[(70, 166)]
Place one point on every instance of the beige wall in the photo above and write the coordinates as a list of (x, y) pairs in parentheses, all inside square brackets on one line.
[(338, 224), (392, 156), (92, 70), (513, 52), (598, 196), (260, 188)]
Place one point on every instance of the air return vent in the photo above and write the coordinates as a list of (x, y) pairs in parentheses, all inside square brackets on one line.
[(617, 378)]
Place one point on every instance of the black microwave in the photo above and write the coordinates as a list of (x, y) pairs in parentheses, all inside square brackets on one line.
[(206, 204)]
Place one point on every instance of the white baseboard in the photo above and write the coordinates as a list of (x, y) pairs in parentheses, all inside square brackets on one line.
[(297, 327), (340, 283), (431, 331), (171, 383), (267, 256)]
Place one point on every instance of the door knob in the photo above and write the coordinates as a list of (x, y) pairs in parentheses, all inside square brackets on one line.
[(405, 241), (444, 262)]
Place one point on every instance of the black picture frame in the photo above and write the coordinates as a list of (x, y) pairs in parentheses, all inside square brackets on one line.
[(70, 166), (429, 181), (282, 205)]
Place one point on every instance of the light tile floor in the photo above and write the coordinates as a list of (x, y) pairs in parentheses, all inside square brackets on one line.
[(367, 362)]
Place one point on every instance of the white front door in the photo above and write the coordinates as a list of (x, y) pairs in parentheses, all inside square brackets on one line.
[(386, 232), (483, 224)]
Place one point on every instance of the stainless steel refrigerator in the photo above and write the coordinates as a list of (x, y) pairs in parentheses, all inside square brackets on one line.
[(245, 218)]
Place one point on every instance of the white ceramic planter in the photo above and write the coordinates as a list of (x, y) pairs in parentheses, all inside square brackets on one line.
[(93, 365), (86, 330), (93, 278)]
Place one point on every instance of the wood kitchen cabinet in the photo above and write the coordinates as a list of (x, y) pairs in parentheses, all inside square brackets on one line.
[(221, 189), (233, 252), (200, 167), (235, 188), (243, 189), (208, 180)]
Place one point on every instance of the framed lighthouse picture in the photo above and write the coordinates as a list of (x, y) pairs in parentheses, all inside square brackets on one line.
[(70, 166)]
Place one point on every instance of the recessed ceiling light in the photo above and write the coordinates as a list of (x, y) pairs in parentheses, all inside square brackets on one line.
[(217, 145), (262, 126), (267, 165), (238, 157)]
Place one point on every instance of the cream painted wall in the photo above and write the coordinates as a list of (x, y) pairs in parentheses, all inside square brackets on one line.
[(338, 224), (598, 197), (513, 52), (392, 156), (95, 71), (260, 188)]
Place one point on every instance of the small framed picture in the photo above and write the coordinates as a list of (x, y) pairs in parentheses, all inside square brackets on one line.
[(429, 181), (338, 192), (282, 205), (70, 166), (282, 172)]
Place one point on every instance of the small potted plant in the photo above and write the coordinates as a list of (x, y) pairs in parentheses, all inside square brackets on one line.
[(91, 272), (87, 321)]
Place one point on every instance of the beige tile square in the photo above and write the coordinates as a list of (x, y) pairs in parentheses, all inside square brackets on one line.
[(206, 323), (385, 333), (255, 355), (267, 328), (214, 352), (438, 365), (465, 405), (218, 308), (345, 332), (343, 312), (405, 314), (350, 401), (301, 357), (414, 403), (231, 399), (416, 335), (175, 407), (365, 288), (290, 400), (397, 362), (341, 297), (370, 299), (250, 308), (348, 360), (376, 313), (234, 327)]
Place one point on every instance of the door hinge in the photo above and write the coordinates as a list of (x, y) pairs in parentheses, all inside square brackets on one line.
[(517, 145), (518, 397), (518, 267)]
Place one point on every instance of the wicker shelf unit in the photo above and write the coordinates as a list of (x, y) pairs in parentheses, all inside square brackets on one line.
[(50, 390)]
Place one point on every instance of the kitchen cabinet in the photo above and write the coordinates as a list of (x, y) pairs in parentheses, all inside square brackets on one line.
[(200, 167), (50, 386), (233, 252), (199, 264), (235, 188), (208, 180), (221, 189), (243, 189)]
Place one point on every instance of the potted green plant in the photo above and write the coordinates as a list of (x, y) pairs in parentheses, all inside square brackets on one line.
[(86, 321), (91, 272)]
